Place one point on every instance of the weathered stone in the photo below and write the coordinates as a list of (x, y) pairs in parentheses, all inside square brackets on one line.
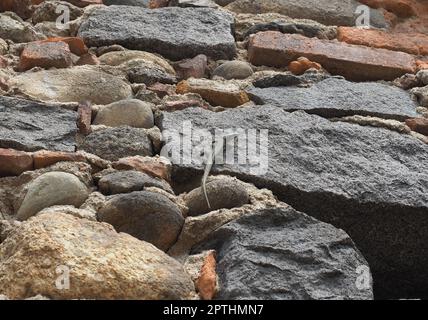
[(145, 215), (140, 71), (218, 93), (192, 68), (84, 121), (50, 11), (72, 85), (129, 181), (286, 255), (226, 193), (423, 76), (133, 113), (103, 264), (45, 55), (334, 97), (233, 70), (137, 3), (88, 58), (351, 61), (248, 24), (421, 95), (329, 12), (13, 162), (49, 189), (364, 180), (415, 43), (418, 125), (301, 65), (30, 126), (206, 284), (175, 33), (15, 29), (115, 143), (84, 3)]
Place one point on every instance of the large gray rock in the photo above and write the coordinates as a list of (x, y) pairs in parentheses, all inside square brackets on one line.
[(116, 143), (287, 255), (148, 216), (335, 97), (137, 3), (12, 27), (329, 12), (371, 182), (175, 33), (30, 126)]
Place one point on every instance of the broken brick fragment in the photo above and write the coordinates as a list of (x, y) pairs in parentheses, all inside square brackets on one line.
[(14, 162), (45, 55)]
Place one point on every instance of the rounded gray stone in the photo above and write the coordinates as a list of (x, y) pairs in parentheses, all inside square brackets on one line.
[(148, 216), (234, 70)]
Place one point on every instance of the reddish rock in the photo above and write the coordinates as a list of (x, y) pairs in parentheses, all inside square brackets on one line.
[(157, 167), (3, 62), (421, 65), (84, 119), (45, 55), (415, 43), (76, 44), (14, 162), (44, 158), (181, 105), (354, 62), (302, 64), (88, 58), (84, 3), (418, 125), (153, 4), (192, 68), (162, 89), (401, 8), (3, 84), (23, 8), (206, 284)]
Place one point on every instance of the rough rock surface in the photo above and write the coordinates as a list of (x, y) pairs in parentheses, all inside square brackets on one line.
[(145, 215), (364, 180), (307, 258), (337, 97), (29, 126), (102, 263), (176, 33)]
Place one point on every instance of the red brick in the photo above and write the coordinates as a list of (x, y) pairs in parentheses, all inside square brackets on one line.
[(45, 55), (76, 44), (153, 166), (162, 89), (14, 162), (354, 62), (192, 68), (44, 158), (153, 4), (207, 281), (414, 43), (418, 125)]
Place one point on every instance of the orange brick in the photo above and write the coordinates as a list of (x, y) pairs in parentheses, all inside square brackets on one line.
[(14, 162), (354, 62), (44, 158), (76, 44), (45, 55)]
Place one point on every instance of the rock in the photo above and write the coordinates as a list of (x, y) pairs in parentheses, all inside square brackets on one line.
[(115, 143), (206, 284), (227, 193), (52, 188), (334, 97), (248, 24), (408, 81), (162, 89), (117, 58), (103, 264), (45, 55), (415, 43), (84, 3), (129, 181), (418, 125), (15, 29), (421, 95), (44, 158), (84, 121), (423, 76), (277, 250), (301, 65), (328, 12), (133, 113), (338, 173), (23, 8), (13, 162), (145, 215), (227, 94), (88, 58), (72, 85), (30, 126), (4, 47), (192, 68), (50, 11), (234, 70), (76, 45), (78, 213), (158, 167), (140, 71), (175, 33), (353, 62), (137, 3)]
